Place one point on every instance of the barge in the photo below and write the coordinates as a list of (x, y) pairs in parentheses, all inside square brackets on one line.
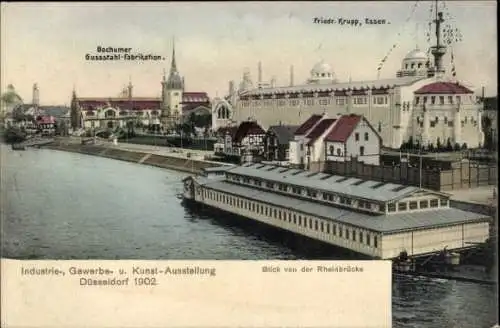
[(377, 219)]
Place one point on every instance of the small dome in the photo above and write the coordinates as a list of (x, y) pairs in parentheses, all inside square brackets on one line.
[(416, 54), (322, 68)]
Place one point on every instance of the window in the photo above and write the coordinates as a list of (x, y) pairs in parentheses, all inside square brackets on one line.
[(356, 136), (332, 150), (444, 202), (360, 237), (310, 223), (375, 241), (402, 206), (433, 203), (391, 207), (339, 151), (413, 205), (300, 219), (425, 100), (362, 151), (301, 147), (424, 203), (366, 136), (340, 231), (346, 233), (316, 225), (353, 235), (459, 99), (441, 100), (450, 99), (433, 100), (368, 239), (334, 229), (328, 228)]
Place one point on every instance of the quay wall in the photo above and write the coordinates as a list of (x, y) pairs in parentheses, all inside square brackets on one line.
[(147, 158)]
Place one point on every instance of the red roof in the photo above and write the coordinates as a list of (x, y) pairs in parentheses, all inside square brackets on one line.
[(136, 103), (45, 120), (247, 128), (196, 97), (319, 129), (307, 125), (343, 128), (443, 88)]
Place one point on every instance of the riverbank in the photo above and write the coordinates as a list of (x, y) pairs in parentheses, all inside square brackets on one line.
[(184, 162)]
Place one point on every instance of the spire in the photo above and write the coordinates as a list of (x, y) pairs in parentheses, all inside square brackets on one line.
[(173, 65), (291, 76)]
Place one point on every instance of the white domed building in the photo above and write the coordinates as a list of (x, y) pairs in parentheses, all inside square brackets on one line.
[(322, 73), (391, 105), (415, 63)]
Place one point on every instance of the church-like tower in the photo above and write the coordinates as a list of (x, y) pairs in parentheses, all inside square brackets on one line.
[(172, 89)]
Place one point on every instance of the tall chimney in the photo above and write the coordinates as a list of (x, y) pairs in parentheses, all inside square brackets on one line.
[(36, 95), (260, 72), (291, 76)]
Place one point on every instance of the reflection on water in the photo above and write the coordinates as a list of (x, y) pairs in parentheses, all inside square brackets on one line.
[(58, 205)]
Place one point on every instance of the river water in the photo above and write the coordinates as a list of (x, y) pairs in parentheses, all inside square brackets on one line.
[(58, 205)]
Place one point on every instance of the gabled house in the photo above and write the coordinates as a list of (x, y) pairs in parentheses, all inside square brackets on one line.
[(315, 151), (277, 142), (298, 144), (353, 137), (247, 138)]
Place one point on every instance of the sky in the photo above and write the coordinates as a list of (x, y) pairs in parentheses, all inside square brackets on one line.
[(46, 43)]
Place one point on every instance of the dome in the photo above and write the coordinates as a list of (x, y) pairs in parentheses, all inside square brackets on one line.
[(321, 68), (416, 54)]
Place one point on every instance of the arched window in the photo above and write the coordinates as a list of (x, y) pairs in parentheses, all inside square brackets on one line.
[(332, 150), (412, 65), (366, 136), (109, 113), (339, 152), (419, 65), (323, 74)]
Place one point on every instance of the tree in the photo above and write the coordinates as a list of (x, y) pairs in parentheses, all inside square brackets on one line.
[(449, 146), (456, 147), (439, 146), (430, 147), (464, 146)]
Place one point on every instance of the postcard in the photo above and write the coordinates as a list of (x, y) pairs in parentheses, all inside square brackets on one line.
[(249, 164)]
